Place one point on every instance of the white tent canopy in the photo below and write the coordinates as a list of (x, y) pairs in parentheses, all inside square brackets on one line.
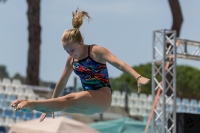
[(49, 125)]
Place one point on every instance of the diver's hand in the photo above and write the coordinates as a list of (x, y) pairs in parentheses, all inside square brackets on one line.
[(142, 81), (23, 105)]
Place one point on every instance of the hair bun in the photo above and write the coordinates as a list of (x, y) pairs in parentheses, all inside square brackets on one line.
[(77, 18)]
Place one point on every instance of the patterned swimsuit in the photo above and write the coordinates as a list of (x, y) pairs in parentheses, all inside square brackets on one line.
[(93, 75)]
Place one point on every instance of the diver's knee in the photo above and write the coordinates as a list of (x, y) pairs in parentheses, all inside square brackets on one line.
[(69, 99)]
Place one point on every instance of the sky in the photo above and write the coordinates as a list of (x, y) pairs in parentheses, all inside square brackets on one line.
[(124, 27)]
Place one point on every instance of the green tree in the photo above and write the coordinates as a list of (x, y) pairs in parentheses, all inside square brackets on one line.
[(143, 69), (187, 82), (3, 72), (20, 77), (3, 0)]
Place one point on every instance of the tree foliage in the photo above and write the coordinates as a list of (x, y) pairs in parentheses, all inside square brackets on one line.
[(187, 80), (20, 77), (120, 82), (3, 0), (3, 72), (188, 84)]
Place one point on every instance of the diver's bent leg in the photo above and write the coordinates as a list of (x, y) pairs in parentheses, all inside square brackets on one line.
[(52, 105), (92, 101)]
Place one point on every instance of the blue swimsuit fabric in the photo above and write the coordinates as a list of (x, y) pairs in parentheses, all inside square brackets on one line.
[(93, 75)]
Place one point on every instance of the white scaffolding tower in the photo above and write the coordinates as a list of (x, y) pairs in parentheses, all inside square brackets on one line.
[(166, 49)]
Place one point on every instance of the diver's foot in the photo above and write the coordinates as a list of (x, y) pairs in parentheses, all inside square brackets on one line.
[(23, 105)]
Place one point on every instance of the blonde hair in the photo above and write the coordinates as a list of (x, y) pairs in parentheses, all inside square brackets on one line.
[(74, 35)]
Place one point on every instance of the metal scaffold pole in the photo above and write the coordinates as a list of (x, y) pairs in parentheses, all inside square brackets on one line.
[(166, 49), (163, 63)]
